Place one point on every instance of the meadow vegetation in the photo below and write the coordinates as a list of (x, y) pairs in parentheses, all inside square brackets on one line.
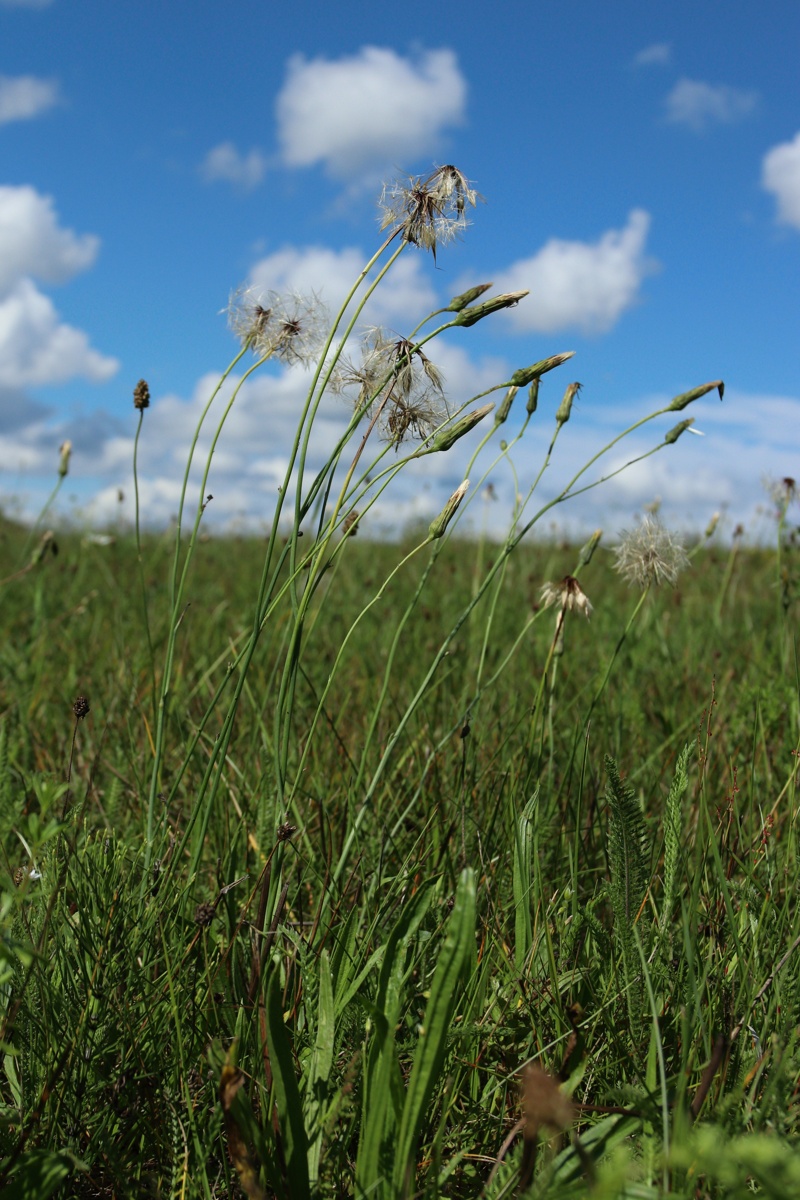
[(335, 867)]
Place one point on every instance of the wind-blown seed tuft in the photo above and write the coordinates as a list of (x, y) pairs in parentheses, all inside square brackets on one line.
[(650, 554)]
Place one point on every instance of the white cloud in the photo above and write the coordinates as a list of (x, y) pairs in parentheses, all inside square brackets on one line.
[(225, 162), (406, 295), (363, 114), (700, 105), (33, 244), (582, 285), (36, 348), (780, 174), (25, 96), (658, 53)]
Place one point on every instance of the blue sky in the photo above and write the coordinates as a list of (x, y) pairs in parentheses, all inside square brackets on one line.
[(641, 169)]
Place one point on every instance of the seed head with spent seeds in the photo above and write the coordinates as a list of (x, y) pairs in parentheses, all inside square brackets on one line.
[(650, 554), (427, 212), (396, 377), (290, 328), (568, 595)]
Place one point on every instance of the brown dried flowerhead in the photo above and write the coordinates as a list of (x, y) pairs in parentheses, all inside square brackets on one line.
[(429, 211)]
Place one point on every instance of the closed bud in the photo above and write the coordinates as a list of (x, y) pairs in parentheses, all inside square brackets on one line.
[(460, 302), (449, 436), (525, 374), (585, 556), (712, 525), (471, 316), (439, 524), (533, 397), (505, 408), (64, 451), (687, 397), (677, 430), (565, 407)]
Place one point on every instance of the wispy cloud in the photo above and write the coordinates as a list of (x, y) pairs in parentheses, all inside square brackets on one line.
[(780, 174), (25, 96), (225, 163), (700, 105), (580, 285), (358, 116), (657, 54)]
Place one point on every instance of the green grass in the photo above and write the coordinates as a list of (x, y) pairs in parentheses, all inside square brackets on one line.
[(468, 886)]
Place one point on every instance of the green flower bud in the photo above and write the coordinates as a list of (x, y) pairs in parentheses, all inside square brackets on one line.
[(565, 407), (471, 316), (585, 556), (526, 374), (449, 436), (439, 524), (460, 302), (533, 396), (687, 397), (505, 408), (677, 430)]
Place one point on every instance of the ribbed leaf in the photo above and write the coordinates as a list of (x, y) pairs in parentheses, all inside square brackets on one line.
[(287, 1096)]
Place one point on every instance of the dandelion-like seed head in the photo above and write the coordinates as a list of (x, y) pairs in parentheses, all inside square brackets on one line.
[(568, 595), (782, 492), (650, 554), (427, 212), (397, 377), (290, 328)]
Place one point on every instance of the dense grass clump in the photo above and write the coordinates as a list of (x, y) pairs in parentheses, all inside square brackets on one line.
[(613, 899)]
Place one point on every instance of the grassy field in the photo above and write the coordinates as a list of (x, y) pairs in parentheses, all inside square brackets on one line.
[(339, 990), (444, 868)]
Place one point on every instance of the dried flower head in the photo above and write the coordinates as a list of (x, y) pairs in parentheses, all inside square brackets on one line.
[(204, 914), (568, 595), (397, 378), (428, 211), (782, 492), (141, 395), (290, 328), (543, 1102), (81, 708), (650, 554)]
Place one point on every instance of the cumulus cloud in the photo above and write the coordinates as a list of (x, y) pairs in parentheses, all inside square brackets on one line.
[(659, 53), (780, 175), (225, 163), (700, 105), (36, 347), (359, 115), (32, 243), (580, 285), (25, 96), (331, 273)]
